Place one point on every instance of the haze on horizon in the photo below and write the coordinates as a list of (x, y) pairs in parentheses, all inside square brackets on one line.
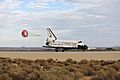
[(95, 22)]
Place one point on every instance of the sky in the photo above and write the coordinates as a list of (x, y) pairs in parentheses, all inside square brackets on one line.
[(95, 22)]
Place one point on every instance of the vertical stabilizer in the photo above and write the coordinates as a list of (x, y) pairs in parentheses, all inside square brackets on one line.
[(51, 34)]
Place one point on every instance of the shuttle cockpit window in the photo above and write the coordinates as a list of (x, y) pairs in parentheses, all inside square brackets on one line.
[(79, 41)]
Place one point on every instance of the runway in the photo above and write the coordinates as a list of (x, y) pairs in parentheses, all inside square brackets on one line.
[(62, 56)]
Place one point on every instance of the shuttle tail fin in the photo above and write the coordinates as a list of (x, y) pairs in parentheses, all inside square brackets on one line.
[(51, 34)]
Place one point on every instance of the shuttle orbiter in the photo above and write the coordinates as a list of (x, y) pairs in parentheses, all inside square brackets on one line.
[(61, 45)]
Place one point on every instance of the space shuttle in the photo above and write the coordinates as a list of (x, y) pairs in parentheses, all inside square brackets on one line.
[(62, 45)]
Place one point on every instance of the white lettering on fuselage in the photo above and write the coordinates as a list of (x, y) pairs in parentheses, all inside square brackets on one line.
[(64, 44)]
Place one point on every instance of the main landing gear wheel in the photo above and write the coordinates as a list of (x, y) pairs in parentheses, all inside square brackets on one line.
[(62, 50), (59, 49)]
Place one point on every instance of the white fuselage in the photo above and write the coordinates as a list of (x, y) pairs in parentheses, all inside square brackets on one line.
[(52, 42), (65, 43)]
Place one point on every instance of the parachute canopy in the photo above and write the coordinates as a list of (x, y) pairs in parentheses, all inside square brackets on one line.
[(24, 33)]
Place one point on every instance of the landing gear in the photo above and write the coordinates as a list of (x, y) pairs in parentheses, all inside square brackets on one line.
[(56, 50), (59, 49), (62, 50)]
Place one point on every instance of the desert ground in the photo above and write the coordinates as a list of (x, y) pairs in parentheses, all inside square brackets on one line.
[(60, 65), (62, 56)]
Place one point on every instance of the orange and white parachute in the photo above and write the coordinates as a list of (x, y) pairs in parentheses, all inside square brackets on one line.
[(25, 33)]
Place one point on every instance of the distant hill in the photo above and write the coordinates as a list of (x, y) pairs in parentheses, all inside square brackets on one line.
[(116, 47)]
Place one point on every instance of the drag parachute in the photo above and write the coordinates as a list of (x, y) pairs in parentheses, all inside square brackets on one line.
[(24, 33)]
